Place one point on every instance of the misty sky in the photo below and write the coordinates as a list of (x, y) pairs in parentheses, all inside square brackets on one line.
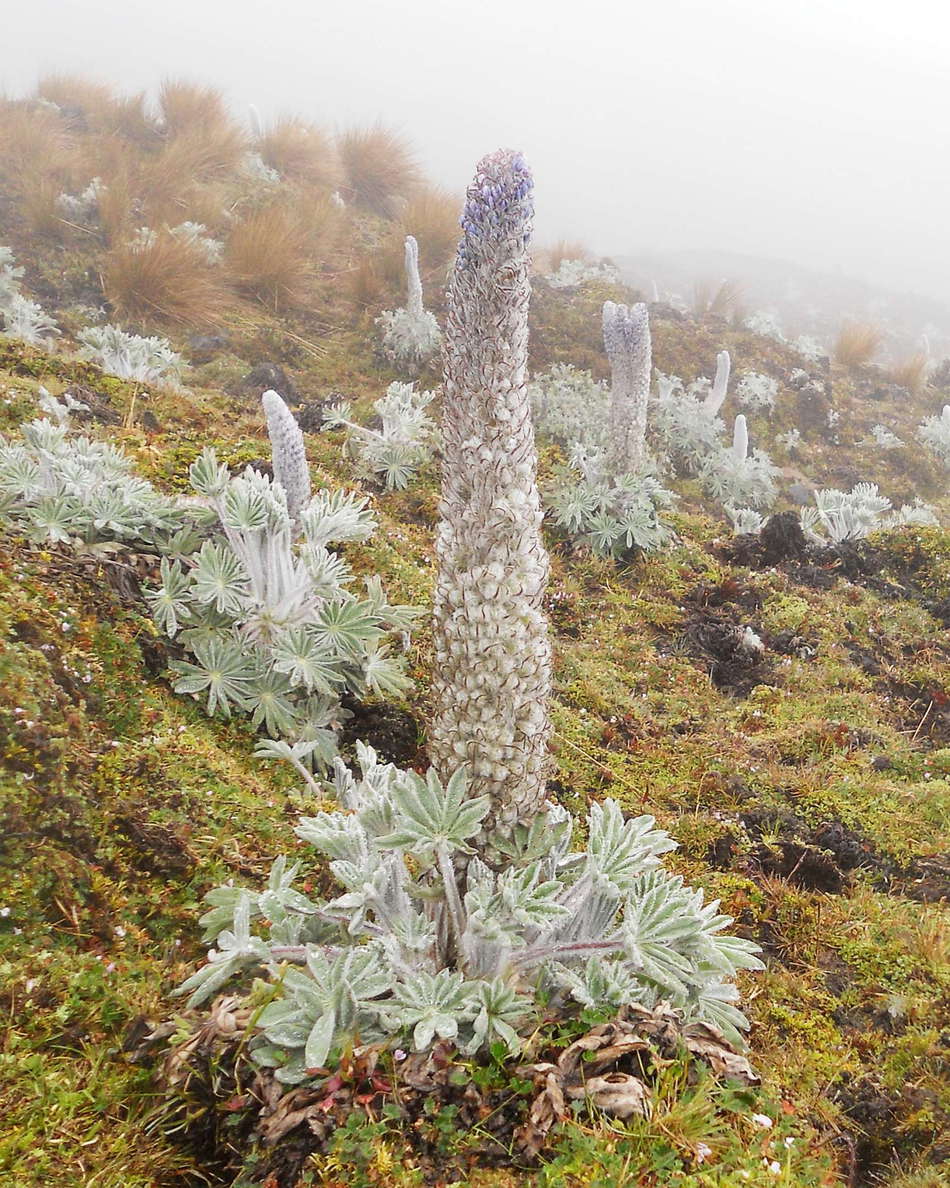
[(813, 130)]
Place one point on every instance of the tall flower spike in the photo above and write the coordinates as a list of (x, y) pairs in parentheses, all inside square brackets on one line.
[(740, 439), (628, 346), (492, 670), (713, 402), (413, 283), (288, 455)]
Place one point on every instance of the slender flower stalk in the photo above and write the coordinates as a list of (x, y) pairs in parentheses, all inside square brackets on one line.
[(288, 453), (714, 401), (629, 349), (492, 670), (413, 281)]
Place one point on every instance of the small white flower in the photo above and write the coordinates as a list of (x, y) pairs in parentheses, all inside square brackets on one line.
[(762, 1120), (702, 1152)]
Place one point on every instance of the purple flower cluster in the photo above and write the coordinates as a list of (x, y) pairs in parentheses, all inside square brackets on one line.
[(499, 201)]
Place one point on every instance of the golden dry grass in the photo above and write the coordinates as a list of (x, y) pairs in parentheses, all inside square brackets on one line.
[(185, 106), (35, 141), (379, 171), (553, 257), (301, 152), (364, 285), (432, 216), (96, 108), (857, 344), (267, 256), (722, 299), (911, 373), (38, 206), (166, 281)]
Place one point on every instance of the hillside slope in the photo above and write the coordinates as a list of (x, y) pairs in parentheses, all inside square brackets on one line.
[(808, 786)]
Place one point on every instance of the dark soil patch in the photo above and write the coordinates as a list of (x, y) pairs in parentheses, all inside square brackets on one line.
[(820, 859), (731, 651), (157, 849), (391, 731)]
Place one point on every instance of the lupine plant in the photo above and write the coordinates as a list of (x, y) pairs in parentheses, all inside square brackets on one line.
[(737, 477), (608, 499), (21, 318), (689, 430), (27, 321), (10, 276), (401, 445), (130, 356), (462, 910), (264, 606), (492, 657), (934, 432), (882, 437), (852, 515), (411, 335), (571, 274), (757, 391), (58, 487), (572, 408), (412, 950)]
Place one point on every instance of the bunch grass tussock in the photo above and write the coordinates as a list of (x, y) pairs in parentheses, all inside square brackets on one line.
[(379, 170), (266, 256), (90, 106), (857, 344), (301, 152), (432, 216), (551, 258), (722, 299), (34, 141), (911, 373), (164, 280)]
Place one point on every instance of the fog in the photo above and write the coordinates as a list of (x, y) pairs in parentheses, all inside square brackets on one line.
[(811, 132)]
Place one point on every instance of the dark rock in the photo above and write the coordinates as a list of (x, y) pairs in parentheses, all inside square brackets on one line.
[(149, 421), (800, 494), (202, 348), (270, 375)]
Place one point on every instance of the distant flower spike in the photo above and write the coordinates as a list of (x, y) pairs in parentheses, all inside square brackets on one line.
[(740, 439), (411, 334), (714, 401), (413, 282), (288, 454), (628, 346), (492, 669)]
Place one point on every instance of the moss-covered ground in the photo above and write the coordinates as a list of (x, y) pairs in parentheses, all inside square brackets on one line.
[(810, 791)]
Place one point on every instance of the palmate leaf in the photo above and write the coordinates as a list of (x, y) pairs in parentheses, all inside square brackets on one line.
[(431, 816), (236, 949), (601, 983), (433, 1005), (223, 668), (323, 1004), (269, 699), (307, 660), (619, 850), (218, 579), (659, 928), (349, 627), (208, 476), (170, 601), (500, 1009), (336, 516), (385, 675)]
